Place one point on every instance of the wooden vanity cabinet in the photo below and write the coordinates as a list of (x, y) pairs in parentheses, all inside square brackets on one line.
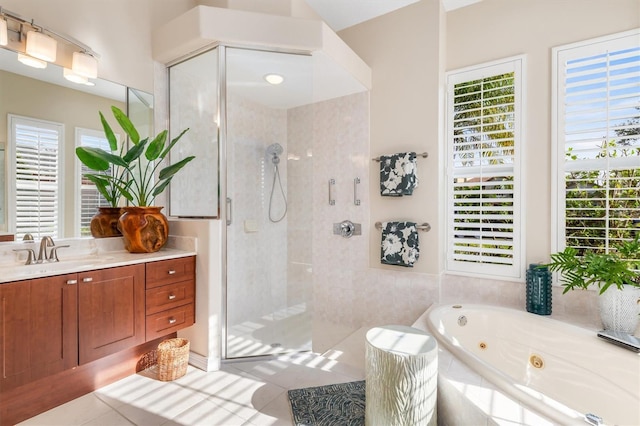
[(66, 335), (111, 311), (170, 296), (38, 329)]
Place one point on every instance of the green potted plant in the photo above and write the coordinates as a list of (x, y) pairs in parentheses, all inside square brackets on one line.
[(617, 276), (143, 226), (106, 178)]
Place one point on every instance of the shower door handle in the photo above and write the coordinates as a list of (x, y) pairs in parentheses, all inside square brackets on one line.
[(229, 211)]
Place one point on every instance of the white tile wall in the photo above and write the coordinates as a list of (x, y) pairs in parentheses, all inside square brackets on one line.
[(257, 261)]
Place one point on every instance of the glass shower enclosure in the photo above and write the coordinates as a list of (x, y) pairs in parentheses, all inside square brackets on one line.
[(269, 173), (244, 105)]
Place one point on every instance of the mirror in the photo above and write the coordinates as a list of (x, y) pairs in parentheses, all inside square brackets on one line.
[(44, 94), (3, 201)]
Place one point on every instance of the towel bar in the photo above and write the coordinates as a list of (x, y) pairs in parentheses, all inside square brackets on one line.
[(423, 155), (422, 227)]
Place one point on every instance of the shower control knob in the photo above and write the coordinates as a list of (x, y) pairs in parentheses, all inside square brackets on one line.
[(347, 229)]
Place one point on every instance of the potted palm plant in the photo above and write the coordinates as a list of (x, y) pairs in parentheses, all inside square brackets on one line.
[(617, 276), (105, 223), (144, 228)]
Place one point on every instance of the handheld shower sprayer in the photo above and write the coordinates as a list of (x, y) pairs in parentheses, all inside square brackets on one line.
[(274, 151)]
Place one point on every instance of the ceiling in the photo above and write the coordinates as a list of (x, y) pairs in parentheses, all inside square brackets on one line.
[(307, 78), (341, 14)]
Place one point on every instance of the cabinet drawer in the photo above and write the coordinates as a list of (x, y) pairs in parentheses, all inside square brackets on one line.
[(170, 296), (170, 271), (166, 322)]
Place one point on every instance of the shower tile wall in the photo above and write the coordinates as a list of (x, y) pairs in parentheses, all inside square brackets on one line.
[(300, 158), (258, 275), (322, 141), (346, 291)]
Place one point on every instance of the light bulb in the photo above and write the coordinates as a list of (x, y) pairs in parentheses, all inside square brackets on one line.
[(41, 46), (31, 61), (4, 33), (73, 77), (85, 65)]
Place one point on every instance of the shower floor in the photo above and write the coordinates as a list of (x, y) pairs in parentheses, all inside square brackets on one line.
[(286, 330)]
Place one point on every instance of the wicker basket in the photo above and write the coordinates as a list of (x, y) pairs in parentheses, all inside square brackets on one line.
[(173, 358)]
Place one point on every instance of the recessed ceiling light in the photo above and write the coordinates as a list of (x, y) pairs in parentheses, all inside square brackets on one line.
[(274, 79)]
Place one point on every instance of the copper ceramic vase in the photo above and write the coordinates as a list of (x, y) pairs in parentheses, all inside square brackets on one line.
[(145, 229), (105, 223)]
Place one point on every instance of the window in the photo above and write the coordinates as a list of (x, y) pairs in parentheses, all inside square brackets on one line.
[(34, 176), (87, 196), (596, 141), (484, 110)]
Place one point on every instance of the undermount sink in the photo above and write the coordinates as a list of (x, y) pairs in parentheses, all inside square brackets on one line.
[(61, 266)]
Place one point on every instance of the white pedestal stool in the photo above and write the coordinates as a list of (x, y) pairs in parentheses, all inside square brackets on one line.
[(401, 377)]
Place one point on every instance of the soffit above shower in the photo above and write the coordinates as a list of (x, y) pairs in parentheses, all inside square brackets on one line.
[(341, 14), (335, 69)]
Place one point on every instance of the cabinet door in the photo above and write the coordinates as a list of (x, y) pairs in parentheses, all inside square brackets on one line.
[(111, 311), (38, 329)]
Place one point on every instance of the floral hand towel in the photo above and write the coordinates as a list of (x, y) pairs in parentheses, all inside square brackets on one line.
[(399, 243), (398, 174)]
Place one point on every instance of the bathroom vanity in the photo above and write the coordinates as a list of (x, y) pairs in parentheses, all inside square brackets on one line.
[(81, 327)]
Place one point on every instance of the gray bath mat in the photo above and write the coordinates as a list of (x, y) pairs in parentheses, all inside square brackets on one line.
[(333, 405)]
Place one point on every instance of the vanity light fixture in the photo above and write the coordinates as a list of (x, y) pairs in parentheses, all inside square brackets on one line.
[(84, 65), (4, 32), (41, 46), (31, 61), (274, 79)]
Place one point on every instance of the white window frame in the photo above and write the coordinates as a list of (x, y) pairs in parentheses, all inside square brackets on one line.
[(12, 121), (79, 133), (559, 54), (514, 271)]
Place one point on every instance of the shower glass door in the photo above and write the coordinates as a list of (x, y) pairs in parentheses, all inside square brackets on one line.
[(269, 179)]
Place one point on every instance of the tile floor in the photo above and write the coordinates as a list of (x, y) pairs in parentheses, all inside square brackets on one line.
[(241, 393), (286, 330)]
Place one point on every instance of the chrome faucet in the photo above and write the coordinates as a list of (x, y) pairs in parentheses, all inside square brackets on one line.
[(44, 243)]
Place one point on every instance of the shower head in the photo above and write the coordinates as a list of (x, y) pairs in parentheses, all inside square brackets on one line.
[(274, 150)]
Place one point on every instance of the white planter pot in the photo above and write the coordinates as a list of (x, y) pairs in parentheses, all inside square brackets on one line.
[(620, 309)]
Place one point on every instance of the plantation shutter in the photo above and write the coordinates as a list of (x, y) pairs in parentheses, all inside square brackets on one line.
[(36, 156), (598, 138), (483, 177), (90, 197)]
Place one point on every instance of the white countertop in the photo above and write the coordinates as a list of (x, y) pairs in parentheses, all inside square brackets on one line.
[(83, 255)]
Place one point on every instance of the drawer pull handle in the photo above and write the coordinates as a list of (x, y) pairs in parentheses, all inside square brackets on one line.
[(172, 271), (172, 296), (172, 320), (71, 282), (87, 280)]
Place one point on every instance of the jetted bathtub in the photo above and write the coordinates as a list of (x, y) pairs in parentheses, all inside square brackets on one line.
[(562, 371)]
